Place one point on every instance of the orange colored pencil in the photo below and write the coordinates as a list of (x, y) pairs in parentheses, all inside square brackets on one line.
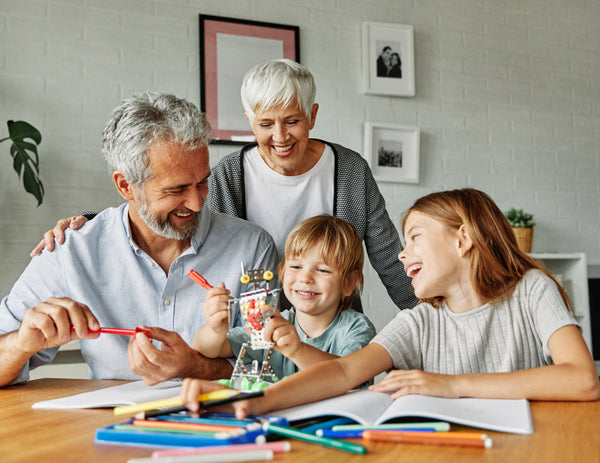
[(185, 426), (439, 438)]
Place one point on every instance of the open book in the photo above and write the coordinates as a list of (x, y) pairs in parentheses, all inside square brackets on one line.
[(372, 408), (125, 394)]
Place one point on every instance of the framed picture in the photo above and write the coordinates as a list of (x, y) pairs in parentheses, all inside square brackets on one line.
[(388, 59), (228, 49), (392, 152)]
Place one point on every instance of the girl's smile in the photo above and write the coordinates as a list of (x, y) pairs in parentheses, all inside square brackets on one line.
[(437, 259)]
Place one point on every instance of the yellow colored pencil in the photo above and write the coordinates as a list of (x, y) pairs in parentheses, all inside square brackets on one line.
[(173, 402)]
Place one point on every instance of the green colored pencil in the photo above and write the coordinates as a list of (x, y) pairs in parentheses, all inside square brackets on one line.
[(328, 442)]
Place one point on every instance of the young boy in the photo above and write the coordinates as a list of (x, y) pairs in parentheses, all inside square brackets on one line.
[(320, 274)]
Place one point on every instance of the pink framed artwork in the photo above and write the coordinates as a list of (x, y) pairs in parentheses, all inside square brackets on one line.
[(229, 47)]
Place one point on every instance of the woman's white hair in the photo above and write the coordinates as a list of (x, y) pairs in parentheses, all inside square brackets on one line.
[(280, 82)]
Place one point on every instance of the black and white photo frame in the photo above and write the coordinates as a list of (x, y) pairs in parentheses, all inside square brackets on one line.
[(392, 152), (388, 59)]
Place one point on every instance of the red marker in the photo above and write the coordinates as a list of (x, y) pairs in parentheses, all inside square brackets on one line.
[(199, 279), (120, 331)]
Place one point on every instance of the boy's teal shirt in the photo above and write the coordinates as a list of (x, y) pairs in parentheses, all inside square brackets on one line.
[(348, 332)]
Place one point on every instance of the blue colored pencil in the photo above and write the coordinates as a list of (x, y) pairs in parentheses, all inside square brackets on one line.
[(358, 433), (327, 424)]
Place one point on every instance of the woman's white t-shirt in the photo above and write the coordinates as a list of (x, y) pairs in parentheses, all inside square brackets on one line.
[(278, 202)]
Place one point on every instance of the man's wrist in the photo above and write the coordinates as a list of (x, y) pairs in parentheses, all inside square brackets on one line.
[(210, 369)]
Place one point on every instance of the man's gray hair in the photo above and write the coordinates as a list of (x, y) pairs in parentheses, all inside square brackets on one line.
[(139, 121), (278, 82)]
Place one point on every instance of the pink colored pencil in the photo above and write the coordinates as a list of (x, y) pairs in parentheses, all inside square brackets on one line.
[(276, 447)]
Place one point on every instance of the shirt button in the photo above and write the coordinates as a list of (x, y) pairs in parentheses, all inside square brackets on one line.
[(166, 302)]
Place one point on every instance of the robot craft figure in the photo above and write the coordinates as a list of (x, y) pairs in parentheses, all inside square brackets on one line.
[(254, 318)]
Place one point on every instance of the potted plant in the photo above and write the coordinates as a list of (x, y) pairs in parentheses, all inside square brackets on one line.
[(25, 140), (522, 224)]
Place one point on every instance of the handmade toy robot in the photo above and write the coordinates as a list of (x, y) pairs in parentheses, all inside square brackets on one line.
[(254, 318)]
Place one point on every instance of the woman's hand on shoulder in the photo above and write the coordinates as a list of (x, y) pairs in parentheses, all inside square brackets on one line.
[(58, 233)]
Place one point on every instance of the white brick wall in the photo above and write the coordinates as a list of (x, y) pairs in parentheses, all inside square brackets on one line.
[(508, 100)]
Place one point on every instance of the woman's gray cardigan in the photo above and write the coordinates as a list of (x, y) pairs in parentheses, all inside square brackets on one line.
[(356, 199)]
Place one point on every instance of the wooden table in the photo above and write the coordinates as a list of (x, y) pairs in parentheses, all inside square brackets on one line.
[(564, 432)]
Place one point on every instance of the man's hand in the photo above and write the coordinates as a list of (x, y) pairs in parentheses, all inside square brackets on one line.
[(174, 359), (58, 233), (48, 324)]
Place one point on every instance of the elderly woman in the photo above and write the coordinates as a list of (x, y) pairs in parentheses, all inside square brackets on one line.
[(286, 177)]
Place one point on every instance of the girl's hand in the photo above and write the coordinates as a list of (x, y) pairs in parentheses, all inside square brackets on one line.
[(404, 382), (192, 388), (283, 334), (215, 309)]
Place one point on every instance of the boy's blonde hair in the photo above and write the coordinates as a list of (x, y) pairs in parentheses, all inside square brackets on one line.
[(340, 246), (497, 263)]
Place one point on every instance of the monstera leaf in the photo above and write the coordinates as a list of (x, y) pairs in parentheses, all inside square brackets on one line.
[(25, 139)]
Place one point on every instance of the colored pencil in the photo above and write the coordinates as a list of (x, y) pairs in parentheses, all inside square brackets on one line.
[(250, 455), (174, 402), (276, 447), (201, 420), (202, 404), (132, 428), (185, 426), (358, 433), (304, 436), (328, 424), (437, 425), (437, 438), (123, 331), (199, 279)]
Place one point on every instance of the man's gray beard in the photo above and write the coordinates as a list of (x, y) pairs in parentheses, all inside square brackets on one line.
[(165, 229)]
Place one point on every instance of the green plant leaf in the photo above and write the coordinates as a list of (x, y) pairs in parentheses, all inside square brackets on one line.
[(519, 219), (26, 162)]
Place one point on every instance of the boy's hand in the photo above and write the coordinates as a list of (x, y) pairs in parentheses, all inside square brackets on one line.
[(404, 382), (283, 334), (215, 309)]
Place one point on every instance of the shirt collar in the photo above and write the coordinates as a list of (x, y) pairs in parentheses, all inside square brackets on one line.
[(204, 223), (127, 227)]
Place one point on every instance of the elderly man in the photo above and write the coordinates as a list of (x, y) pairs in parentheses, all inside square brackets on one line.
[(128, 267)]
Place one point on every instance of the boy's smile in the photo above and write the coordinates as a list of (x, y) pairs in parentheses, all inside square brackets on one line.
[(312, 286)]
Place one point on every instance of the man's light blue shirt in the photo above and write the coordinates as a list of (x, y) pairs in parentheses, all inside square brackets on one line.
[(124, 287)]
